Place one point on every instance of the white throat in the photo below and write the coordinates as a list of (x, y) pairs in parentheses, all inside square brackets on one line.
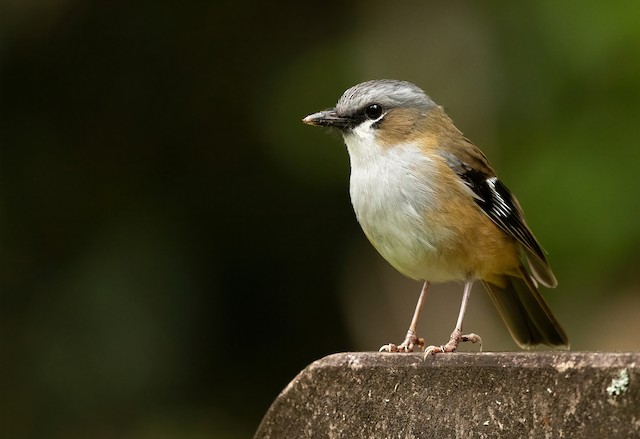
[(392, 190)]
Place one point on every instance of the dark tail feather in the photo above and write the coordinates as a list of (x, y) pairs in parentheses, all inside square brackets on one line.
[(526, 314)]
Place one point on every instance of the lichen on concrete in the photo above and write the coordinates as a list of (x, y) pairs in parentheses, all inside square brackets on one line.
[(620, 384)]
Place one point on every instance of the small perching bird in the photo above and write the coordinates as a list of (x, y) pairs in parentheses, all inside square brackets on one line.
[(431, 204)]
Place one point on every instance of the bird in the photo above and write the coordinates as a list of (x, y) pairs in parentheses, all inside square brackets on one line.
[(431, 204)]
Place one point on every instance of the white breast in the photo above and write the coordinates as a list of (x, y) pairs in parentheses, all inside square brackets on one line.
[(391, 190)]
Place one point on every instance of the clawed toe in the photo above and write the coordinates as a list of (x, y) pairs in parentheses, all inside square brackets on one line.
[(410, 342), (388, 348), (453, 343), (473, 338), (432, 350)]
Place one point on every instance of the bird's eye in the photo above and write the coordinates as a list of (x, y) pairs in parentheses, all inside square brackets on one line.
[(373, 111)]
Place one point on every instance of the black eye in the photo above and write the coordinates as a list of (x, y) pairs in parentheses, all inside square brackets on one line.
[(373, 111)]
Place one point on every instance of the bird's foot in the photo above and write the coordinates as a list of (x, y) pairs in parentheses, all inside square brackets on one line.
[(453, 343), (410, 342)]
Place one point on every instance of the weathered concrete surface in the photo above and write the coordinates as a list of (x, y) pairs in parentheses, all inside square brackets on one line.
[(462, 395)]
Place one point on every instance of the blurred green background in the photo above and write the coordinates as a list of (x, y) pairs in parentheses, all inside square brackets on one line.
[(177, 245)]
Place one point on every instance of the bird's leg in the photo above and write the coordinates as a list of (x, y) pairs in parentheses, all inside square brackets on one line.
[(456, 335), (411, 340)]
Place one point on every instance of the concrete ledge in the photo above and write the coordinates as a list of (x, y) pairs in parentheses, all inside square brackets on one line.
[(462, 395)]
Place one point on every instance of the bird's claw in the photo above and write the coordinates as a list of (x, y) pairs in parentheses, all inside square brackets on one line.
[(473, 338), (453, 343), (389, 348), (410, 342)]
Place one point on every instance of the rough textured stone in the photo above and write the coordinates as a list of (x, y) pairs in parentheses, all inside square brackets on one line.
[(462, 395)]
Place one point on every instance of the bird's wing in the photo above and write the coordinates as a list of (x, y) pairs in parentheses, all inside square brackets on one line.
[(493, 197)]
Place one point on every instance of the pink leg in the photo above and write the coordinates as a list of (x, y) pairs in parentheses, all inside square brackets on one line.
[(411, 340), (456, 335)]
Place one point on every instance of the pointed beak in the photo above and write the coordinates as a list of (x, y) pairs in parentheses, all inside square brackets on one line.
[(328, 118)]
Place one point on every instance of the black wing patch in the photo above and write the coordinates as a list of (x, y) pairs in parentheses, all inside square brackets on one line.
[(501, 207), (496, 201)]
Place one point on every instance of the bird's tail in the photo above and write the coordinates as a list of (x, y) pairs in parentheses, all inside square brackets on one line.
[(525, 313)]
